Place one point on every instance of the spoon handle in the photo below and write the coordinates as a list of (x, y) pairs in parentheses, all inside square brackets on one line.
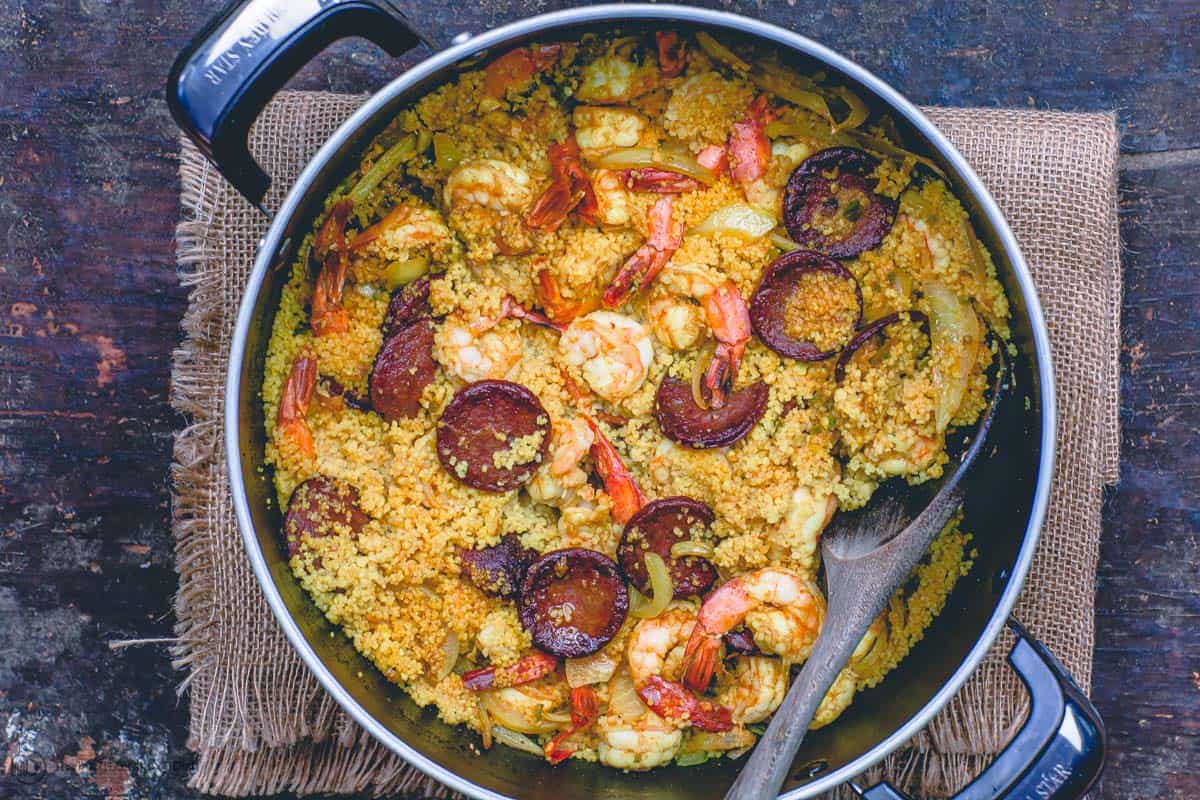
[(769, 762)]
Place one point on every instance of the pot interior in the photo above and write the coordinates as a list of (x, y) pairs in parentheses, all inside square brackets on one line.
[(998, 509)]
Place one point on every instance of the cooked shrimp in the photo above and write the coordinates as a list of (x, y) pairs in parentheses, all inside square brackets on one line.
[(612, 199), (613, 352), (655, 654), (640, 744), (560, 481), (529, 668), (615, 77), (294, 400), (329, 247), (753, 689), (656, 645), (749, 147), (538, 707), (558, 307), (490, 183), (664, 238), (671, 55), (676, 321), (479, 350), (516, 69), (405, 228), (624, 493), (570, 190), (584, 711), (783, 611), (836, 700), (475, 351), (808, 512), (915, 453), (600, 128), (727, 315)]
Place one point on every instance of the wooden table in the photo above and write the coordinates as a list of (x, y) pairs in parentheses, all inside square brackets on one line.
[(90, 308)]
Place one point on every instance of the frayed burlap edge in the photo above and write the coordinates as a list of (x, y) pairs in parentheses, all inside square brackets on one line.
[(284, 733)]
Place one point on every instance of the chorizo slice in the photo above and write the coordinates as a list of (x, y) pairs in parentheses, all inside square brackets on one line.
[(807, 306), (872, 330), (493, 435), (655, 529), (403, 367), (683, 421), (322, 506), (409, 304), (830, 204), (500, 568), (573, 602)]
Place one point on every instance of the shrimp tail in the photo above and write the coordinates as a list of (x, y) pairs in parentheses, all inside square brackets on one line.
[(626, 497), (674, 701), (511, 308), (294, 400), (729, 318), (529, 668), (329, 245), (700, 657), (663, 239), (557, 307), (570, 190), (585, 710), (749, 147), (671, 54)]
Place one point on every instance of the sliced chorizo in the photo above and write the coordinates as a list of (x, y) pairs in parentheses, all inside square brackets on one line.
[(403, 367), (872, 330), (500, 568), (322, 506), (493, 435), (683, 421), (573, 602), (408, 305), (830, 203), (658, 526), (807, 306)]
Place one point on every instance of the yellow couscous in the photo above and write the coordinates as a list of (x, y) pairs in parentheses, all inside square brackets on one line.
[(596, 331)]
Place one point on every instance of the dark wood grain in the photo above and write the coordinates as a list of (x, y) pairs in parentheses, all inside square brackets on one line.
[(90, 306)]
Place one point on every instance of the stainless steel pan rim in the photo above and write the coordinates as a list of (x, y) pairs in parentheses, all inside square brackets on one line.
[(291, 204)]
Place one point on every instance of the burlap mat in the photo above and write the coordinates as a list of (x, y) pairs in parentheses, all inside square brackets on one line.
[(261, 723)]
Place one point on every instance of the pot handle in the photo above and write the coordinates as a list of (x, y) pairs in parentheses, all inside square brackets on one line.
[(226, 75), (1059, 751)]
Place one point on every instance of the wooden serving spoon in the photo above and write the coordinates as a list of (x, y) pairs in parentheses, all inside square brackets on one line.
[(866, 560)]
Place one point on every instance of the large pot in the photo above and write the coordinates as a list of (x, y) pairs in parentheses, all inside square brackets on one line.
[(216, 89)]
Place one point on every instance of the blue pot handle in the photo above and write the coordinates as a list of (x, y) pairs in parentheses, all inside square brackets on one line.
[(222, 80), (1058, 753)]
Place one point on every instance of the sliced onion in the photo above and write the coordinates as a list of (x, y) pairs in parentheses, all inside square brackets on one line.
[(667, 158), (735, 738), (449, 655), (955, 335), (782, 83), (402, 273), (782, 241), (690, 547), (858, 109), (740, 219), (661, 590), (698, 371), (517, 741), (485, 724), (596, 668), (719, 52), (623, 699), (809, 127)]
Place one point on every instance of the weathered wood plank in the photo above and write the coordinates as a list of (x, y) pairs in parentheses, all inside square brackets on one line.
[(89, 311)]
